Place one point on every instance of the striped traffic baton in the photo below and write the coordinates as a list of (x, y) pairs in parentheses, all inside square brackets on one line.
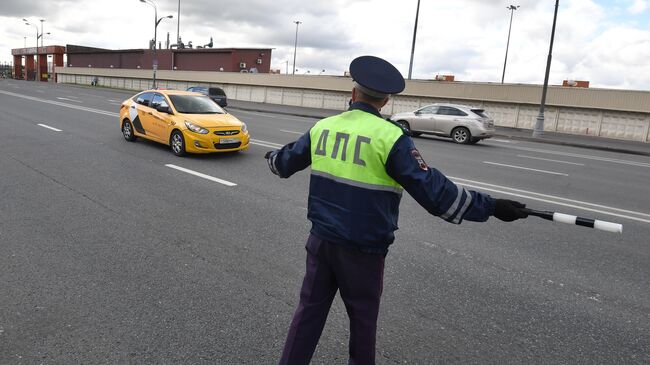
[(579, 221)]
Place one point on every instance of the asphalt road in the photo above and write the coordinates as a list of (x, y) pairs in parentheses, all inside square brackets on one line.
[(110, 256)]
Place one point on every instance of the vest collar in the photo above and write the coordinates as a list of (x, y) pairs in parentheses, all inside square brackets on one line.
[(359, 105)]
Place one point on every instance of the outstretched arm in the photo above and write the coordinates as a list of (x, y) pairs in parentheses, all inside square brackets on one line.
[(433, 190), (291, 158)]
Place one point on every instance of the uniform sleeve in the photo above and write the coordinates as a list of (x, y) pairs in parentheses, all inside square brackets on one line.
[(291, 158), (433, 190)]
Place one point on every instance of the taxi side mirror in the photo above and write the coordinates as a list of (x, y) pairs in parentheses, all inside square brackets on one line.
[(163, 109)]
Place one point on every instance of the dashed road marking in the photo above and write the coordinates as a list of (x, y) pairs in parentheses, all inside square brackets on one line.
[(207, 177), (48, 127), (525, 168), (548, 159)]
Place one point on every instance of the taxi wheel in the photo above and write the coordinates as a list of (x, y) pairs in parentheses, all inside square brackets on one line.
[(127, 131), (461, 135), (177, 143)]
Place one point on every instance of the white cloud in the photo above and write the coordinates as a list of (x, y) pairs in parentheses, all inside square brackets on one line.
[(467, 38), (638, 6)]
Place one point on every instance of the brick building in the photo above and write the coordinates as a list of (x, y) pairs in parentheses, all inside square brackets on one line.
[(186, 59)]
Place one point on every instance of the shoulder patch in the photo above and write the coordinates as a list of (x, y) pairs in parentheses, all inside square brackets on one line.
[(416, 155)]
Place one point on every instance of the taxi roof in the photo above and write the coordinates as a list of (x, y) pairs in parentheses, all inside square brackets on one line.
[(170, 92)]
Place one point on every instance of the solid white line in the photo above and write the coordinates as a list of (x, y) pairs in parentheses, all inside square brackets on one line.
[(587, 157), (500, 188), (301, 133), (71, 106), (547, 159), (207, 177), (525, 168), (557, 203), (48, 127)]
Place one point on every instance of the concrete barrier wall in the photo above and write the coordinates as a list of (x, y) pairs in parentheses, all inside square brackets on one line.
[(621, 114)]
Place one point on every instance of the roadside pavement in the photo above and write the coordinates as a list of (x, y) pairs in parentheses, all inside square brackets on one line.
[(575, 140)]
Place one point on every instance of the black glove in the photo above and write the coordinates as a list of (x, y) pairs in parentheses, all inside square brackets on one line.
[(509, 210), (268, 154)]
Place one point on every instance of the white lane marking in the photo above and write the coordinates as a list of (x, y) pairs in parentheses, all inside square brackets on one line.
[(265, 143), (72, 106), (549, 199), (48, 127), (500, 140), (286, 117), (525, 168), (207, 177), (114, 101), (40, 91), (557, 203), (587, 157), (62, 98), (547, 159), (301, 133)]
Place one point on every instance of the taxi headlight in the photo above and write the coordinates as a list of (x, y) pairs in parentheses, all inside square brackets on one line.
[(244, 128), (195, 128)]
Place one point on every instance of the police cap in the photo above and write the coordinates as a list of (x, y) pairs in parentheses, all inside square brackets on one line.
[(376, 77)]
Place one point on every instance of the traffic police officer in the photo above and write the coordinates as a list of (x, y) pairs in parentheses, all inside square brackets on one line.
[(360, 163)]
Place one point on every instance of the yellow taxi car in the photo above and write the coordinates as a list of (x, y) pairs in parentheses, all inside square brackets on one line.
[(185, 121)]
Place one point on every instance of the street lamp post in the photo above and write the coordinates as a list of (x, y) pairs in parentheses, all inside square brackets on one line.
[(538, 132), (42, 20), (155, 37), (37, 37), (415, 31), (295, 46), (512, 10), (178, 24)]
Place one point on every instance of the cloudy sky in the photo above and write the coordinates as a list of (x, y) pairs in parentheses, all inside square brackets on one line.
[(604, 41)]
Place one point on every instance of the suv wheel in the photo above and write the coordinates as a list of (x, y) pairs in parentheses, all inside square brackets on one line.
[(461, 135)]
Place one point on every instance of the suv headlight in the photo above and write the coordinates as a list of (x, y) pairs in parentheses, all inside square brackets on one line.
[(244, 128), (195, 128)]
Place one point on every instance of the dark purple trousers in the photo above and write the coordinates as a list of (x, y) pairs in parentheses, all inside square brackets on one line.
[(359, 277)]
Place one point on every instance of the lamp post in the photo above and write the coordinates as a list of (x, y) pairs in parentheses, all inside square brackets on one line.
[(155, 37), (37, 37), (512, 10), (42, 20), (295, 46), (178, 24), (415, 30), (538, 132)]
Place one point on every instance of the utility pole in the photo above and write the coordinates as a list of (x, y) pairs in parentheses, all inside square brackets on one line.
[(295, 46), (538, 132), (512, 10), (415, 31)]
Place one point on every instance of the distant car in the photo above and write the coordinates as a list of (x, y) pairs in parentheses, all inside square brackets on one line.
[(215, 93), (462, 123), (185, 121)]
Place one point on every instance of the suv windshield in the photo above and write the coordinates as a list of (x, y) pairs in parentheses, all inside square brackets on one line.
[(192, 104)]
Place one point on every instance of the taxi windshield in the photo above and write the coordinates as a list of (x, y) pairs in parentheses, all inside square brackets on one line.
[(195, 104)]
